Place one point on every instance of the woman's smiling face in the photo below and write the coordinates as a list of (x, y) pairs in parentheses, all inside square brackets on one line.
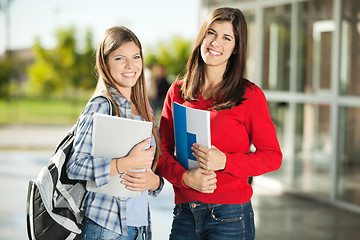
[(218, 44), (125, 65)]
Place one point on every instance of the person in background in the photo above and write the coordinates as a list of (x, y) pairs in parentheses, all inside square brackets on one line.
[(119, 61), (162, 83), (213, 201)]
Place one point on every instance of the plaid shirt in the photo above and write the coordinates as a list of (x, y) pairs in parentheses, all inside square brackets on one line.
[(105, 210)]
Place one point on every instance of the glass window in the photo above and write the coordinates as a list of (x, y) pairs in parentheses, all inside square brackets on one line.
[(312, 149), (349, 155), (276, 57), (314, 47), (251, 66), (279, 112), (350, 49)]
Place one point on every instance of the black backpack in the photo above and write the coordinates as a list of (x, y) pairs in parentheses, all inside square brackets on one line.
[(54, 200)]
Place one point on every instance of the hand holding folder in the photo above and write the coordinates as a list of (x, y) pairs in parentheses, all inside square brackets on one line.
[(115, 137), (190, 126), (140, 157)]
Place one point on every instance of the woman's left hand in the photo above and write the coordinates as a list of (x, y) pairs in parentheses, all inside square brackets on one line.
[(209, 158), (141, 181)]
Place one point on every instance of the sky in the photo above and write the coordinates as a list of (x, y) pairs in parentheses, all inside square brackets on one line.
[(151, 20)]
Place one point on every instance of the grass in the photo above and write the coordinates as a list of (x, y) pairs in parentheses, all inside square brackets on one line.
[(36, 111)]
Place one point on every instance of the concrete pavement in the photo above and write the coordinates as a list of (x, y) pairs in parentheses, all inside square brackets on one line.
[(31, 136), (24, 150)]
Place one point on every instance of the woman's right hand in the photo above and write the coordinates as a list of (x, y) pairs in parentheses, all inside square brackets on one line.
[(200, 180), (138, 158)]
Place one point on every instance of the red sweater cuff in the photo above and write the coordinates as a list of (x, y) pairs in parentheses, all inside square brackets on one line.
[(182, 181)]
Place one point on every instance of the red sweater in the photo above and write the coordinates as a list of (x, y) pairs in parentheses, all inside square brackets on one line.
[(232, 132)]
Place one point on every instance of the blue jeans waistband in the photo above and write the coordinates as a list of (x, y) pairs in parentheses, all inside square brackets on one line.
[(201, 205)]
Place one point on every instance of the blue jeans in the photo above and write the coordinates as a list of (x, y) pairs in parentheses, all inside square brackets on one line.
[(92, 231), (197, 220)]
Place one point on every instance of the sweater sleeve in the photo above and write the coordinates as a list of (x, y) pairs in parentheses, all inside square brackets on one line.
[(262, 133), (168, 166)]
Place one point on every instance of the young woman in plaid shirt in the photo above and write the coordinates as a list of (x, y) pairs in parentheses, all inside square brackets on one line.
[(119, 61)]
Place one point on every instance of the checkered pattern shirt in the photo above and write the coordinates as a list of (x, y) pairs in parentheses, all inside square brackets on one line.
[(105, 210)]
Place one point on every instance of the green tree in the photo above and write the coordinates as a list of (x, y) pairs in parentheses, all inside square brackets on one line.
[(87, 63), (66, 59), (12, 75), (7, 70), (42, 73), (173, 55), (60, 70)]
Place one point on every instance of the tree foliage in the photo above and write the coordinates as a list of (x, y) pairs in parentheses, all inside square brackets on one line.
[(173, 55), (65, 67), (87, 63), (7, 71)]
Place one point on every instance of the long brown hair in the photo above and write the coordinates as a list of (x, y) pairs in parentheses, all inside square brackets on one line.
[(113, 38), (230, 91)]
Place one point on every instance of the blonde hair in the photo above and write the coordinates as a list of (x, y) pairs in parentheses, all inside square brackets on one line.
[(112, 39)]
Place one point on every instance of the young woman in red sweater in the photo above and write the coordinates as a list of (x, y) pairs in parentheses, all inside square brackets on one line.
[(213, 201)]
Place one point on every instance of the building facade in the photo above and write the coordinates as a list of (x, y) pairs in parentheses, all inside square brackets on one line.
[(305, 55)]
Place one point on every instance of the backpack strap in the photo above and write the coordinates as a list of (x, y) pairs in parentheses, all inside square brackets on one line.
[(77, 212), (112, 110)]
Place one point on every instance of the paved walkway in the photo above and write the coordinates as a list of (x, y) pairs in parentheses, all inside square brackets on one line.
[(31, 137), (278, 216), (281, 216)]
